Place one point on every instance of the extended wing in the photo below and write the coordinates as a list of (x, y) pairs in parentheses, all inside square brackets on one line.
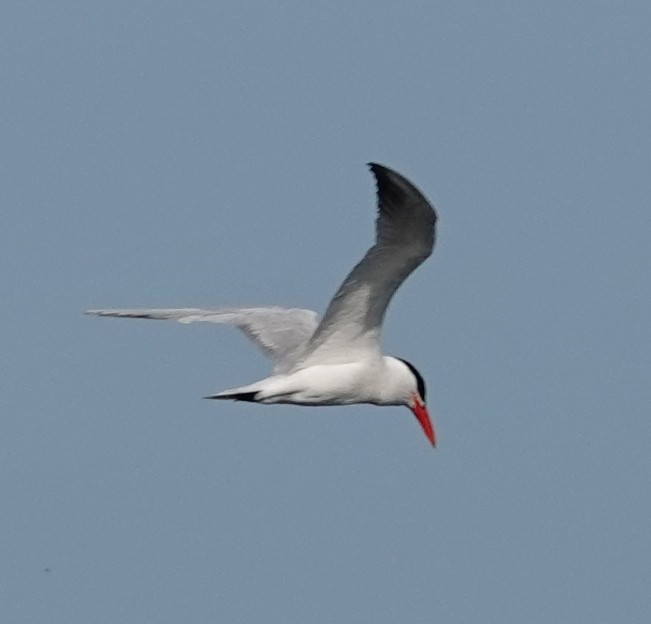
[(405, 233), (281, 333)]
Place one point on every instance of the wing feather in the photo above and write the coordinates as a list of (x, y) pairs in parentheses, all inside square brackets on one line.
[(405, 234), (281, 333)]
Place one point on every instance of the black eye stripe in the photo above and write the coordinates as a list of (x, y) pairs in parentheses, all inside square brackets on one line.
[(419, 380)]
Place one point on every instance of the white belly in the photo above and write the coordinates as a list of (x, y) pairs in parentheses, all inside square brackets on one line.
[(335, 384)]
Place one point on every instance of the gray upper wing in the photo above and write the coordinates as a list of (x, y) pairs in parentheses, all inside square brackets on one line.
[(405, 233), (281, 333)]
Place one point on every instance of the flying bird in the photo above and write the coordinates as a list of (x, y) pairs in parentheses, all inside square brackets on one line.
[(337, 360)]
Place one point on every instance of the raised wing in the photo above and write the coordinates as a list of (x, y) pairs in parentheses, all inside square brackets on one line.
[(281, 333), (405, 233)]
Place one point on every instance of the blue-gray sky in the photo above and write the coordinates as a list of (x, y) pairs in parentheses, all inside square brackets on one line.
[(212, 153)]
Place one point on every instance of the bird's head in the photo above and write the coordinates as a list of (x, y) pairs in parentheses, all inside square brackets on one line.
[(415, 400)]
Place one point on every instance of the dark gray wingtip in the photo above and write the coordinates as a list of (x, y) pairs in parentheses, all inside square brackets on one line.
[(380, 171), (390, 184), (373, 165), (393, 188)]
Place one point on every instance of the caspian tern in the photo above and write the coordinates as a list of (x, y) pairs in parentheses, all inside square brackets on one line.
[(337, 360)]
